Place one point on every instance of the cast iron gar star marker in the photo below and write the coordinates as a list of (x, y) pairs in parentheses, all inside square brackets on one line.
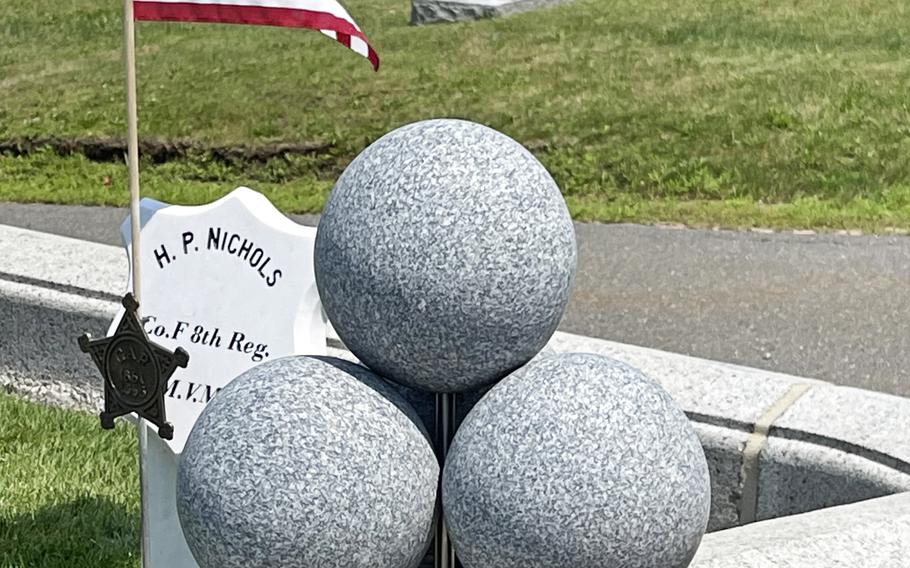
[(135, 370)]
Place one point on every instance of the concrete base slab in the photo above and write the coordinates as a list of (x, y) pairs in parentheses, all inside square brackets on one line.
[(874, 533)]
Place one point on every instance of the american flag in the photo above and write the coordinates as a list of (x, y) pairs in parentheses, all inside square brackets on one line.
[(327, 16)]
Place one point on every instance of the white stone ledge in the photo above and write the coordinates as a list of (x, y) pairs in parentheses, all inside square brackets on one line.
[(871, 534)]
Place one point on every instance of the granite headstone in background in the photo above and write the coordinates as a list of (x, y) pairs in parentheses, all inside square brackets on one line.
[(576, 460), (304, 462), (445, 256)]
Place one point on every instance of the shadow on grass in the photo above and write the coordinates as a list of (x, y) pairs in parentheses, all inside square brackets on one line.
[(86, 532)]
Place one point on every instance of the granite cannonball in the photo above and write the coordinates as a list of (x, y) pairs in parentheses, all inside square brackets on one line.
[(307, 462), (445, 256), (576, 461)]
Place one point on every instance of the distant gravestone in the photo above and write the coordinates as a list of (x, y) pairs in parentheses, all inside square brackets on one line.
[(439, 11), (232, 283)]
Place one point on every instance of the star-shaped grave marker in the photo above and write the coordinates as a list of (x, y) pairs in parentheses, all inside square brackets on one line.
[(135, 370)]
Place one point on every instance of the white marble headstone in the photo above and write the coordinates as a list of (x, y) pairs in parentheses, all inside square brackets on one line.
[(231, 282)]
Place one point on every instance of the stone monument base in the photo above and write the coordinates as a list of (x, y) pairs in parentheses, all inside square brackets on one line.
[(435, 11)]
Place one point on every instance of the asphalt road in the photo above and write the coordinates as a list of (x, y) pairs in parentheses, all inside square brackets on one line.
[(833, 307)]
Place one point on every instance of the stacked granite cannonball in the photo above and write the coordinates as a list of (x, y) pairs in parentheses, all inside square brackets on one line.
[(307, 462), (444, 260)]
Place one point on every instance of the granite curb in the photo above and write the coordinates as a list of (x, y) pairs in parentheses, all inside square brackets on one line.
[(830, 446)]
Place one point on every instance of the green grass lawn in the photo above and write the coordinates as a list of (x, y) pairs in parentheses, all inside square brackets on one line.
[(69, 492), (789, 113)]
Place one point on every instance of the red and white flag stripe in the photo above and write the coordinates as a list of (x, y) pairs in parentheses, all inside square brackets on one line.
[(327, 16)]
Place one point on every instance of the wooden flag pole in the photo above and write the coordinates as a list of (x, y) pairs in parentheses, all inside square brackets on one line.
[(132, 144), (129, 43)]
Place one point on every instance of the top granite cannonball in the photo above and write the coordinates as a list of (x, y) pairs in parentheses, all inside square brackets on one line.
[(576, 461), (308, 462), (445, 256)]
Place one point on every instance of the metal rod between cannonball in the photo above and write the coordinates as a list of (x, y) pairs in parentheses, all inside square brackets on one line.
[(444, 553)]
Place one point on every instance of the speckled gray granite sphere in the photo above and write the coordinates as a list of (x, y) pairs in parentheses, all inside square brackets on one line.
[(445, 256), (307, 462), (576, 461)]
